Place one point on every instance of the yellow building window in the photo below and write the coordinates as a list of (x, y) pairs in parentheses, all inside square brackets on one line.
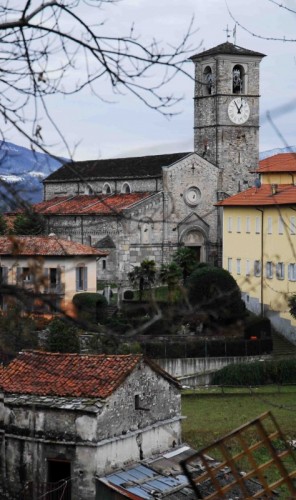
[(229, 225), (248, 268), (229, 264), (281, 225), (248, 224), (292, 272), (269, 270), (280, 271), (269, 225), (257, 225), (257, 268), (238, 225), (238, 266)]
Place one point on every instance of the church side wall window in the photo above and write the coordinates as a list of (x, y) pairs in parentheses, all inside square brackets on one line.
[(107, 189), (126, 189)]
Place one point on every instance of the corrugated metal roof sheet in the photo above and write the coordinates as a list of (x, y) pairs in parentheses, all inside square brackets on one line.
[(149, 482)]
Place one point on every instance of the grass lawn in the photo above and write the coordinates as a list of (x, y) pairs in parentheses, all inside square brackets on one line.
[(211, 414)]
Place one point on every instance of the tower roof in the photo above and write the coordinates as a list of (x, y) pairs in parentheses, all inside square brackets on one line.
[(227, 48)]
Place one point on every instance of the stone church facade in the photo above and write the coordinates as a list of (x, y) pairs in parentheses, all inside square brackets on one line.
[(146, 207)]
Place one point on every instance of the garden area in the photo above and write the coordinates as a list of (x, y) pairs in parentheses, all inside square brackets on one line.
[(212, 413)]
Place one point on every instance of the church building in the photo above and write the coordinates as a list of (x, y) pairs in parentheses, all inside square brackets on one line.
[(146, 207)]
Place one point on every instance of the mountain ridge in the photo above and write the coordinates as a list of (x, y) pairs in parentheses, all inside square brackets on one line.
[(24, 170)]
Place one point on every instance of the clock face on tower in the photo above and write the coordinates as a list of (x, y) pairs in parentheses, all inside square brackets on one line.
[(238, 110), (192, 196)]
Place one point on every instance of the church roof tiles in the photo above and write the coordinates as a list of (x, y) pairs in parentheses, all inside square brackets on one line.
[(115, 168), (76, 375), (227, 48), (90, 204)]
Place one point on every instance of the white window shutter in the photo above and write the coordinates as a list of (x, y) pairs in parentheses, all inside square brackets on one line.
[(85, 278)]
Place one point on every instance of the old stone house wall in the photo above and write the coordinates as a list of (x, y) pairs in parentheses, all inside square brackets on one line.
[(103, 436)]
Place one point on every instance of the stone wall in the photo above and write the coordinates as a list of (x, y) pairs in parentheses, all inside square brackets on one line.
[(59, 188), (96, 439)]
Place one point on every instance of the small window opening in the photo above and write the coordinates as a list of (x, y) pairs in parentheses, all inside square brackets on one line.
[(104, 264), (137, 402), (238, 79), (208, 81), (126, 188)]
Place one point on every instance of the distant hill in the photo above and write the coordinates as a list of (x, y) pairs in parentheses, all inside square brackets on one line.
[(24, 170), (272, 152)]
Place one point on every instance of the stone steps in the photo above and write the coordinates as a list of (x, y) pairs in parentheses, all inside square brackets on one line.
[(282, 347)]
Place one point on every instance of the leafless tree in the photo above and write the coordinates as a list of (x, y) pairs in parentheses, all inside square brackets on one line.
[(61, 47)]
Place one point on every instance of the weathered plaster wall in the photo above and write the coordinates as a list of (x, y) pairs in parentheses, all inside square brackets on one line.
[(94, 443)]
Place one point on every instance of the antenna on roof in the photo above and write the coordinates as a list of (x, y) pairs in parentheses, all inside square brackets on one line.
[(227, 30), (257, 183)]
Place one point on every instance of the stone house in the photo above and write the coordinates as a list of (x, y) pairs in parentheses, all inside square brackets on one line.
[(146, 207), (73, 417), (46, 271)]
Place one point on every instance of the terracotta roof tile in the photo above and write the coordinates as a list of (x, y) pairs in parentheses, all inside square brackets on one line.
[(44, 374), (285, 195), (90, 204), (283, 162), (45, 245)]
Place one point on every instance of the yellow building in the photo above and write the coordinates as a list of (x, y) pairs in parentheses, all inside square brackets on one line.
[(259, 241)]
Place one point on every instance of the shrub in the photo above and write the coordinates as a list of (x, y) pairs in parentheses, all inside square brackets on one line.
[(256, 326), (214, 291), (62, 337), (128, 295), (257, 373), (90, 306)]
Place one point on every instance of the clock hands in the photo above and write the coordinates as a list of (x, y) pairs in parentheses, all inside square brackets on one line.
[(239, 108)]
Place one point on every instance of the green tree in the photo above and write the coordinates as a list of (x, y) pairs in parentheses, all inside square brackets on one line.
[(62, 337), (29, 223), (292, 305), (3, 225), (215, 292), (171, 275), (185, 258), (17, 332), (143, 277)]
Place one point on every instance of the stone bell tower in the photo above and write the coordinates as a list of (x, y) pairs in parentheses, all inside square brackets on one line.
[(226, 112)]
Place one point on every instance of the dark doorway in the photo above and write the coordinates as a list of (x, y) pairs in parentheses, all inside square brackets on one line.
[(57, 472), (197, 251)]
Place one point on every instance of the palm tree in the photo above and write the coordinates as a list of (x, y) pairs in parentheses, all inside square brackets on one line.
[(185, 258), (143, 277), (171, 275)]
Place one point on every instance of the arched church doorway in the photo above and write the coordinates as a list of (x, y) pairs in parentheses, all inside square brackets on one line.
[(195, 239)]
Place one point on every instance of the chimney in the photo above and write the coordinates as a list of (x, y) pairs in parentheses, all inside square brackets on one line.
[(274, 188)]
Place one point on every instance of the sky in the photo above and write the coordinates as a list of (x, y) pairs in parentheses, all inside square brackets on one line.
[(94, 128)]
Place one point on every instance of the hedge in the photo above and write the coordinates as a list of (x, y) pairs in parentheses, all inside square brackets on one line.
[(90, 306), (257, 373)]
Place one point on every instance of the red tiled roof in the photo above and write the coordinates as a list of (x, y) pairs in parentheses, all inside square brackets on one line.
[(45, 245), (90, 204), (285, 195), (283, 162), (76, 375)]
